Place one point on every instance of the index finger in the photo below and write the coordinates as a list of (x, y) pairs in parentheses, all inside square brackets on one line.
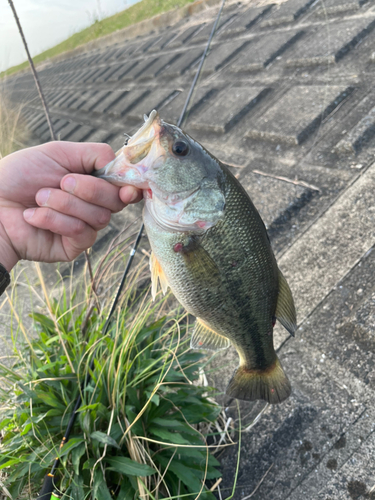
[(79, 157), (95, 191)]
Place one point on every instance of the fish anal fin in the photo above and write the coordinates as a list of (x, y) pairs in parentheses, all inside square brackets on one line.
[(157, 273), (285, 309), (271, 385), (205, 338)]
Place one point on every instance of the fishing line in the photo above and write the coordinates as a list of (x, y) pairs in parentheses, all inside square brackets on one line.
[(48, 491)]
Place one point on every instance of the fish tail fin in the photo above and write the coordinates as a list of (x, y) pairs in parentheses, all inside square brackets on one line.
[(271, 385)]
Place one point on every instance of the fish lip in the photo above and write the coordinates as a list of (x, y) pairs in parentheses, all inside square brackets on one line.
[(132, 160), (141, 150), (115, 176), (146, 127), (140, 144)]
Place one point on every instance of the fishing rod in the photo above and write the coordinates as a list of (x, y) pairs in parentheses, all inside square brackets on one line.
[(49, 491)]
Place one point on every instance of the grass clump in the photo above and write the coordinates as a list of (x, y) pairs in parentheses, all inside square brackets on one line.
[(143, 425), (12, 128), (132, 15)]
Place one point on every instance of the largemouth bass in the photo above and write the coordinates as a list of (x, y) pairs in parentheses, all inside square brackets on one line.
[(210, 246)]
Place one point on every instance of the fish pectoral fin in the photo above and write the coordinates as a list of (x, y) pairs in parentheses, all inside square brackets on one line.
[(285, 309), (205, 338), (201, 265), (157, 273)]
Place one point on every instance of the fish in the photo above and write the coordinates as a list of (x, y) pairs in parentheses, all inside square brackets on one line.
[(210, 246)]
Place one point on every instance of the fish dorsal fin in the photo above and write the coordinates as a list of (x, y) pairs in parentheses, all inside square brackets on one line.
[(285, 310), (157, 273), (205, 338)]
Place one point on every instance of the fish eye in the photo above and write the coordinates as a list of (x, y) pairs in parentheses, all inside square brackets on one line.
[(180, 148)]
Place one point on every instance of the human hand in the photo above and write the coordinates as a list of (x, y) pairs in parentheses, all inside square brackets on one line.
[(49, 210)]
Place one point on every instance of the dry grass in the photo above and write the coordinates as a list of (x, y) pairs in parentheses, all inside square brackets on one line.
[(13, 132)]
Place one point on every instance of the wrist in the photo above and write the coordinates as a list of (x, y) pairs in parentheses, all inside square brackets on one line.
[(8, 256)]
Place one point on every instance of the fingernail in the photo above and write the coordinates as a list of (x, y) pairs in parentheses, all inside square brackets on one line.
[(42, 196), (69, 184), (28, 213), (134, 196)]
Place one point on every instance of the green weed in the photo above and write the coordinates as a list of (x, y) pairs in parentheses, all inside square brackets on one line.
[(143, 426)]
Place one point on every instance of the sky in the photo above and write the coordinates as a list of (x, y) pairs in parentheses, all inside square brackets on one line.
[(46, 23)]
